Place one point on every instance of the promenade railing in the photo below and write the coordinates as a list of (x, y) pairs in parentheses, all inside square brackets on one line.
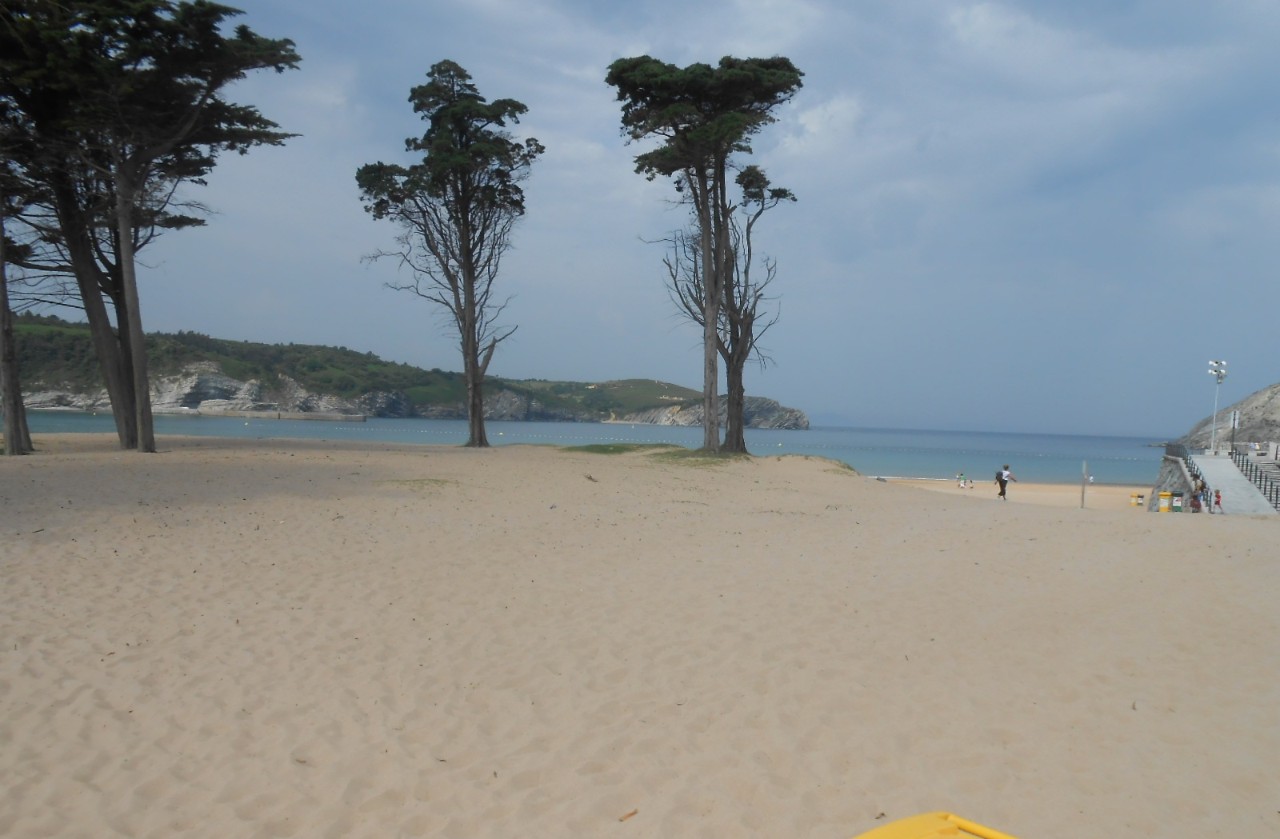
[(1266, 479), (1182, 453)]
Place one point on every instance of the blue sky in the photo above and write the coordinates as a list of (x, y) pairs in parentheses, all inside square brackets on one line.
[(1012, 216)]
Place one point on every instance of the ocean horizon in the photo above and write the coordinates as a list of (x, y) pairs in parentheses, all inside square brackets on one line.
[(880, 452)]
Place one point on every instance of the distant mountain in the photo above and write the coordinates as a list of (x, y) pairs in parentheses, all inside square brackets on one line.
[(191, 371), (1259, 421)]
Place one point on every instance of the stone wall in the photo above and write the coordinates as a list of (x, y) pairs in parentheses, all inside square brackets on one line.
[(1173, 477)]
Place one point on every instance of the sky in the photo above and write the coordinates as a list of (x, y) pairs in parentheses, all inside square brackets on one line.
[(1012, 216)]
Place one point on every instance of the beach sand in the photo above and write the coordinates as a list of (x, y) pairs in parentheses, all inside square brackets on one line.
[(1095, 496), (266, 638)]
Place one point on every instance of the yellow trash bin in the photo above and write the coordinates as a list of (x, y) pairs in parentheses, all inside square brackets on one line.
[(1165, 503), (933, 826)]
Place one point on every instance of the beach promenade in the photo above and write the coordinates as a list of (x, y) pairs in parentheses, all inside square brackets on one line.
[(1239, 495), (309, 639)]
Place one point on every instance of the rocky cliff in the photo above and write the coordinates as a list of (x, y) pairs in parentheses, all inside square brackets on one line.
[(202, 386), (758, 412), (1259, 422)]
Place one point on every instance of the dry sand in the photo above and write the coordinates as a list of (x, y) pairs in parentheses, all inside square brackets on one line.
[(265, 638), (1094, 496)]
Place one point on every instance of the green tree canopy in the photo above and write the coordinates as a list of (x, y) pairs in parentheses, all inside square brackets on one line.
[(105, 107), (703, 115), (456, 208)]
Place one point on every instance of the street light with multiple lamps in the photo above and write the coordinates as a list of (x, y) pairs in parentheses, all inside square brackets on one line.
[(1217, 369)]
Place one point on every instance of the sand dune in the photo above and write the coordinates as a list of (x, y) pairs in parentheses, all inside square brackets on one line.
[(266, 638)]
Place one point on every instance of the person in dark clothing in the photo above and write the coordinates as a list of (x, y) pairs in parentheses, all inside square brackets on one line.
[(1003, 477)]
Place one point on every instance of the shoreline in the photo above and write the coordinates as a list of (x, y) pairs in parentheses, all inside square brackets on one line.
[(919, 454), (1104, 495), (1096, 497)]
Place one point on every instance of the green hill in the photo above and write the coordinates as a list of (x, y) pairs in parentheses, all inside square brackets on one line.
[(57, 354)]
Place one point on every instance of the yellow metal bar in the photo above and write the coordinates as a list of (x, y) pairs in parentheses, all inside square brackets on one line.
[(977, 829)]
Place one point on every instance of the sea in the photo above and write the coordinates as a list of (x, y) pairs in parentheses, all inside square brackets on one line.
[(880, 452)]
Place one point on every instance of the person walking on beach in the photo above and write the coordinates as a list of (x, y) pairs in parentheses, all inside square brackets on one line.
[(1217, 500), (1003, 477)]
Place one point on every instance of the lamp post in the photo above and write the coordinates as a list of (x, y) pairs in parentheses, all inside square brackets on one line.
[(1217, 369)]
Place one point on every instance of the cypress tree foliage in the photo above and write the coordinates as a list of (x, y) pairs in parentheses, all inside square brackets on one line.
[(108, 106), (703, 116), (456, 209)]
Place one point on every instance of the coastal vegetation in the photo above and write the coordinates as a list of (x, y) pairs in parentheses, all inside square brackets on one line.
[(58, 354), (620, 448)]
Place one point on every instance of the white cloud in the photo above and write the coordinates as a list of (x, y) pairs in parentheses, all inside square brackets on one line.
[(948, 156), (824, 128), (763, 28)]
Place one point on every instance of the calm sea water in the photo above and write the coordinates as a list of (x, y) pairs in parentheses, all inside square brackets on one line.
[(1041, 458)]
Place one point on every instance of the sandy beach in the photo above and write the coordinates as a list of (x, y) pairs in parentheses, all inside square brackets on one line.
[(1094, 497), (275, 638)]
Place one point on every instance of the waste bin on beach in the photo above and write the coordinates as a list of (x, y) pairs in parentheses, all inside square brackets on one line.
[(1176, 506), (1136, 499), (1166, 499)]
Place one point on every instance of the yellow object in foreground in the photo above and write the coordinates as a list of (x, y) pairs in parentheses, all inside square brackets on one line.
[(933, 826)]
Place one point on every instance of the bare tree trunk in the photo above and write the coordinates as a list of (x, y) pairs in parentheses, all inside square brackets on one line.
[(736, 352), (736, 348), (17, 437), (704, 202), (734, 434), (473, 368), (125, 192), (106, 344), (111, 361), (710, 389), (473, 372), (476, 436)]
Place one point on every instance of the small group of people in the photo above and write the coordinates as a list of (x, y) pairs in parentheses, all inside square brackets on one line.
[(1200, 498)]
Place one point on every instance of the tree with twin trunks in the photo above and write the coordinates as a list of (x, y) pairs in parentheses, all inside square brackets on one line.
[(456, 209), (704, 116), (743, 321), (107, 106)]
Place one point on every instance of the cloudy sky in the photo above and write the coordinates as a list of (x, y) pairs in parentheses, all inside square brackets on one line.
[(1013, 216)]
